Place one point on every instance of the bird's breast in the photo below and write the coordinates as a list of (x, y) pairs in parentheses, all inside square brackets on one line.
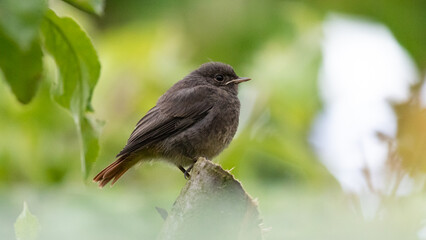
[(221, 126)]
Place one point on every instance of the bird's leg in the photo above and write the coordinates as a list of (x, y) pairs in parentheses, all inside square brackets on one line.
[(192, 165), (185, 172), (190, 168)]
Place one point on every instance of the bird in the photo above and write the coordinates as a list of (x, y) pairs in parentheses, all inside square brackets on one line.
[(197, 117)]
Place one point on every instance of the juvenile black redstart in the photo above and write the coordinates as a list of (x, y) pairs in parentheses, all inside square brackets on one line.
[(196, 117)]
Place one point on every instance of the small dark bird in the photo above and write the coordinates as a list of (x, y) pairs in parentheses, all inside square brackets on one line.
[(196, 117)]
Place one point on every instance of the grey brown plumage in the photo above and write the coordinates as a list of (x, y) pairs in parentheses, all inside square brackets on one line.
[(196, 117)]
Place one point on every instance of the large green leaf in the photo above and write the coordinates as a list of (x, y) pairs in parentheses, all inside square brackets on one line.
[(22, 69), (20, 58), (27, 226), (20, 20), (90, 6), (79, 70), (76, 59)]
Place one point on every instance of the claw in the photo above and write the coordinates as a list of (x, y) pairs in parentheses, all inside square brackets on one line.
[(186, 175), (185, 172)]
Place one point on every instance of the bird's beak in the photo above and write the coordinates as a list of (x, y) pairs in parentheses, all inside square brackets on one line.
[(239, 80)]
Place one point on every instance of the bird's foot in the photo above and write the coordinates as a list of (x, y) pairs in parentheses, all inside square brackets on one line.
[(186, 172), (186, 175)]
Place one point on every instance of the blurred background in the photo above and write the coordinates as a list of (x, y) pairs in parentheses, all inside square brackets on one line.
[(332, 135)]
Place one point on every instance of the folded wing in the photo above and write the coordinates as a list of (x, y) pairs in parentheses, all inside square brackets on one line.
[(173, 114)]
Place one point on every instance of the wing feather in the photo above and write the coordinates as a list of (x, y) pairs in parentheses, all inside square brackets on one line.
[(173, 114)]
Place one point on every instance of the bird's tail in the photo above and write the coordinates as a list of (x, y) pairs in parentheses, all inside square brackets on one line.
[(114, 171)]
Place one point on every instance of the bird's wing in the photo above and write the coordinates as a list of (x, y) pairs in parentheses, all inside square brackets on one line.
[(173, 114)]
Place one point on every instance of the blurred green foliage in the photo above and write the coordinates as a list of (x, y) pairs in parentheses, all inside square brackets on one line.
[(20, 20), (21, 23), (146, 46), (90, 6), (19, 45), (24, 84)]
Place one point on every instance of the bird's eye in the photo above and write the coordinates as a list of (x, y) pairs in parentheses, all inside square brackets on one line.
[(219, 78)]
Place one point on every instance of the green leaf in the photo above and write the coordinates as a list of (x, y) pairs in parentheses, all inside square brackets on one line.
[(20, 20), (76, 59), (27, 226), (21, 69), (79, 70), (90, 6), (89, 135)]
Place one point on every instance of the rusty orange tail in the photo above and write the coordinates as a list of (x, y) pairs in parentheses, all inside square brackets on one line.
[(114, 171)]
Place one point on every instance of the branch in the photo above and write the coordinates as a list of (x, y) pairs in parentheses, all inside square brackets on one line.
[(212, 205)]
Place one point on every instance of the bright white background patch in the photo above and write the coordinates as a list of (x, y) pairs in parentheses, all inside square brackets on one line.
[(363, 70)]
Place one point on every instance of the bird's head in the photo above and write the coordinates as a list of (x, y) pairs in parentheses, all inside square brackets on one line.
[(218, 74)]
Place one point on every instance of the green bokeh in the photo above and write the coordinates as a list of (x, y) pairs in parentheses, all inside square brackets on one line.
[(146, 46)]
